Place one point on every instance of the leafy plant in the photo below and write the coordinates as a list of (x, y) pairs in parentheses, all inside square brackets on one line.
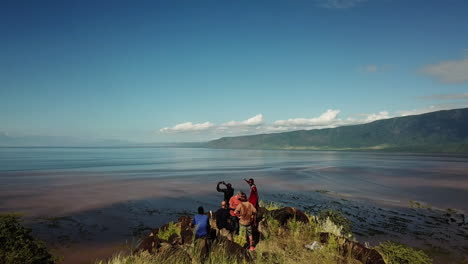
[(270, 206), (396, 253), (169, 231), (337, 218), (18, 246), (328, 226)]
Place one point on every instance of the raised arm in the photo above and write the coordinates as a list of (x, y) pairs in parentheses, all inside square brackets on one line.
[(217, 187)]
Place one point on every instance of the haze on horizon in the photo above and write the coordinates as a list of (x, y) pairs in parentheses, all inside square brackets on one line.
[(165, 71)]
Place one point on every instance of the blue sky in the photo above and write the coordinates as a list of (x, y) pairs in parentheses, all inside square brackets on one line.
[(158, 71)]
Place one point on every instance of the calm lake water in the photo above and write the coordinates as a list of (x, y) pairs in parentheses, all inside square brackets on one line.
[(29, 175), (96, 200)]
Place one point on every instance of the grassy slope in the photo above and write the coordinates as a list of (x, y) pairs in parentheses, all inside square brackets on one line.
[(286, 245), (442, 131)]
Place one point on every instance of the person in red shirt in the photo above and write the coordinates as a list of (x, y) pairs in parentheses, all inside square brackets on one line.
[(253, 197), (233, 203)]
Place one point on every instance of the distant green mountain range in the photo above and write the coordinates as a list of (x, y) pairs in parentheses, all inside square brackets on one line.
[(441, 131)]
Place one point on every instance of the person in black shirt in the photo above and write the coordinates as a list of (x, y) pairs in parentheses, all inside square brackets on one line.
[(223, 218), (228, 192)]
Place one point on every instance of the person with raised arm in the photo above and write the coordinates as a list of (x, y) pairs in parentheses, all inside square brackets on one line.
[(253, 196), (228, 191)]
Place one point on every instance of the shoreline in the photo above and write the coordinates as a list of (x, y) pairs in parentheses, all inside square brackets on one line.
[(69, 234)]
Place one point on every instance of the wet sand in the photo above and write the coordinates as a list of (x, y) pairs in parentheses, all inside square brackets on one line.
[(105, 209)]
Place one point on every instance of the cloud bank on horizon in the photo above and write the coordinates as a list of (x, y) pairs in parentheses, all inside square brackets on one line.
[(328, 119)]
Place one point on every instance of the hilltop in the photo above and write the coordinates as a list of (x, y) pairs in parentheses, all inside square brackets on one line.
[(441, 131)]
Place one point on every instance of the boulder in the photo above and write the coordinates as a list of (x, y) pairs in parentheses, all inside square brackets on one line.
[(151, 243), (283, 215), (357, 250), (261, 212)]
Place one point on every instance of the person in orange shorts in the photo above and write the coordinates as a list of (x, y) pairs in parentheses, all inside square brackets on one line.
[(233, 203)]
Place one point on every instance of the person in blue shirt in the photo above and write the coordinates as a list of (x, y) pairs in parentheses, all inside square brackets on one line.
[(201, 223)]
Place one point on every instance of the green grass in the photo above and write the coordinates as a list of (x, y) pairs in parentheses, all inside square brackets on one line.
[(322, 191), (396, 253), (241, 238), (270, 206), (281, 245), (419, 205)]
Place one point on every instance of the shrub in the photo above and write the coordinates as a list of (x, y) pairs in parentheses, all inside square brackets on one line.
[(18, 246), (396, 253), (337, 218), (168, 231), (270, 206), (328, 226)]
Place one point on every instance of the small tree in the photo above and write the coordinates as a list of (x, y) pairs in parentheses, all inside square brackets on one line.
[(18, 246)]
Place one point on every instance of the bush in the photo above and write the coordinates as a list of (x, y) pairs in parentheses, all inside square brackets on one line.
[(270, 206), (329, 226), (170, 230), (337, 218), (396, 253), (17, 246)]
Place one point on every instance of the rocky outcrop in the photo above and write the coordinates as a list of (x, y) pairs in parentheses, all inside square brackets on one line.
[(285, 214), (357, 250), (151, 243), (183, 249), (177, 248)]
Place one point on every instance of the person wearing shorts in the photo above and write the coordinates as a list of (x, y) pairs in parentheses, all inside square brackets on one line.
[(247, 217)]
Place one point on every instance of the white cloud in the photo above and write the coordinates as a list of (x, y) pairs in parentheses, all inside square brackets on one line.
[(253, 121), (328, 119), (187, 127), (378, 116), (340, 4), (324, 119), (454, 71)]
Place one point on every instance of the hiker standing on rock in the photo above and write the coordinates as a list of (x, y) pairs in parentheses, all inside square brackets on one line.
[(253, 197), (233, 203), (228, 192), (201, 224), (223, 219), (247, 217)]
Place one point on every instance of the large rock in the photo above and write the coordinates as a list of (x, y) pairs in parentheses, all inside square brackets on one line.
[(356, 250), (261, 212), (285, 214), (151, 243)]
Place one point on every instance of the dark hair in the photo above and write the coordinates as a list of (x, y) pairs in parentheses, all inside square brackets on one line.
[(251, 180), (201, 210), (243, 197)]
